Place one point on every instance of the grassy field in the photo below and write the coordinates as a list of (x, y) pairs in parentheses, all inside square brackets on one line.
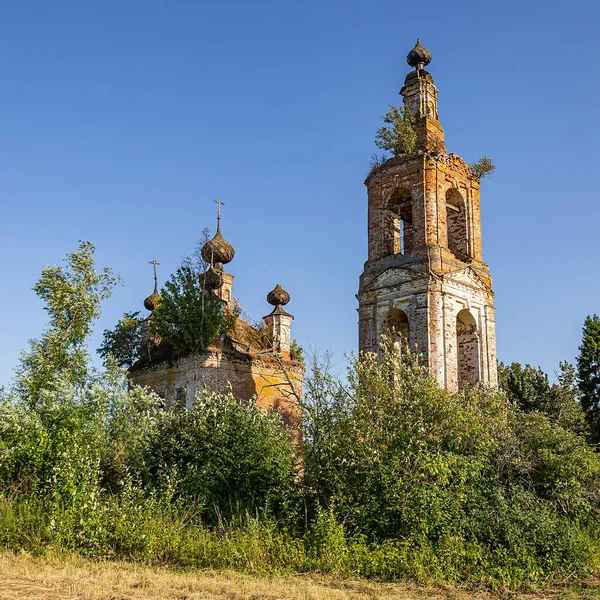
[(69, 578)]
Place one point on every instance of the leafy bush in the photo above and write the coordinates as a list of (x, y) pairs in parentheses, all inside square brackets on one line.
[(224, 454), (483, 167), (468, 480)]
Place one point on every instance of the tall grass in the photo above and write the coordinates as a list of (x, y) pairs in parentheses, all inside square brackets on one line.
[(154, 533)]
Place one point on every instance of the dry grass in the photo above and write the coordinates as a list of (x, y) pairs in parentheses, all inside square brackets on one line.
[(70, 578)]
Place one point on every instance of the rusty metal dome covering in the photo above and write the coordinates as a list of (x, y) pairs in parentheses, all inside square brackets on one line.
[(419, 56), (278, 296), (211, 279), (152, 301), (218, 250)]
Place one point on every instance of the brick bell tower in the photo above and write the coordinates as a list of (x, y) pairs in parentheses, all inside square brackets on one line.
[(425, 280)]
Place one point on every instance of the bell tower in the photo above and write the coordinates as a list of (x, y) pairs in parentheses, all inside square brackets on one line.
[(425, 281)]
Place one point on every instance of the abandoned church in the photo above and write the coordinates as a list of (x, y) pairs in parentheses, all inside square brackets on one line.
[(424, 282)]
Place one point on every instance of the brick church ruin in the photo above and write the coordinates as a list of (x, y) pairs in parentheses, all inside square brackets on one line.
[(425, 280), (250, 362), (424, 284)]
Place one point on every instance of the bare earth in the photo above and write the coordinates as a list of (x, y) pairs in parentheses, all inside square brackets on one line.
[(25, 577)]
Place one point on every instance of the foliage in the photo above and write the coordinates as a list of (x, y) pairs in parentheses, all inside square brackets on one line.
[(483, 167), (398, 478), (125, 343), (72, 295), (297, 351), (400, 137), (588, 372), (530, 389), (222, 453), (188, 317), (467, 478)]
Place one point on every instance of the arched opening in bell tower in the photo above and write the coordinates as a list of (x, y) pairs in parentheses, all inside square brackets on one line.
[(456, 224), (399, 222), (396, 326), (467, 350)]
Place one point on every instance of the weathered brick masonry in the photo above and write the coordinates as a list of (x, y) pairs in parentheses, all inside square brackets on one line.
[(425, 278)]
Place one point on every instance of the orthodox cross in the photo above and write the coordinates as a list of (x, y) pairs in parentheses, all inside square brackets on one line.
[(154, 262), (219, 202)]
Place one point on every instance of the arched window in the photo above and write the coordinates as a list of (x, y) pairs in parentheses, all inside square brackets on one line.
[(396, 326), (456, 224), (467, 350), (399, 222)]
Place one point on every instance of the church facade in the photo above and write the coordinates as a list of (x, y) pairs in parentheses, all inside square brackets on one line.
[(425, 282)]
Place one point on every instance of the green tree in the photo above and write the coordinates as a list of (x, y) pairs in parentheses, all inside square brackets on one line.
[(400, 137), (72, 294), (125, 342), (188, 317), (530, 390), (588, 372)]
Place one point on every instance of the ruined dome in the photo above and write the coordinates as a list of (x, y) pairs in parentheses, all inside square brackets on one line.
[(217, 250), (152, 301), (211, 279), (419, 56), (278, 296)]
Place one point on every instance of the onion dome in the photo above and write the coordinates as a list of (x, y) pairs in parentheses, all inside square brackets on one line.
[(211, 279), (152, 301), (217, 250), (419, 56), (278, 296)]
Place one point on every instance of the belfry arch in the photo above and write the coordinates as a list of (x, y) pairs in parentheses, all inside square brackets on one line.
[(396, 326), (457, 239), (467, 350), (399, 222)]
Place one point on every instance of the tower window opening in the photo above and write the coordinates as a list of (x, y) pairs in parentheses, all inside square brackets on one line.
[(400, 222), (396, 326), (467, 348), (456, 224)]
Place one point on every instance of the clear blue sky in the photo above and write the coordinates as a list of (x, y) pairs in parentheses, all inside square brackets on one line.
[(120, 122)]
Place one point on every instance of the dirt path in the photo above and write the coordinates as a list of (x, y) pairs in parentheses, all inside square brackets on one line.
[(27, 578)]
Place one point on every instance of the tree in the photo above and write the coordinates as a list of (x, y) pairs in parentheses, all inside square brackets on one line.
[(483, 167), (531, 391), (125, 343), (189, 317), (72, 295), (401, 137), (588, 372)]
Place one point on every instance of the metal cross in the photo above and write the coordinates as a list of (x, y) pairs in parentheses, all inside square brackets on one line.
[(219, 202), (154, 262)]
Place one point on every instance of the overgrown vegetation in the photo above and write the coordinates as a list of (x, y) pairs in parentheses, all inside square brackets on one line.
[(484, 167), (187, 319), (400, 137), (394, 477)]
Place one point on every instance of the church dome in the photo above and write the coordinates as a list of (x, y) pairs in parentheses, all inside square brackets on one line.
[(278, 296), (211, 279), (418, 57), (152, 301), (218, 250)]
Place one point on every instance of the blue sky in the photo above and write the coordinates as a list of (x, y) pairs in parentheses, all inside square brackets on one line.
[(120, 122)]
